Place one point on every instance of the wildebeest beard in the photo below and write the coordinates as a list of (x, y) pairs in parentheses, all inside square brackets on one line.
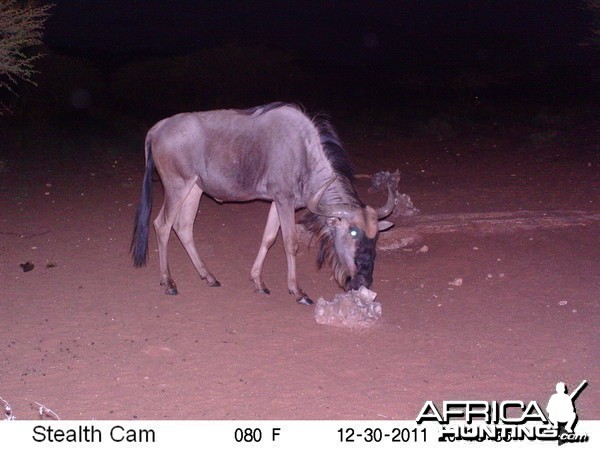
[(363, 258), (317, 226)]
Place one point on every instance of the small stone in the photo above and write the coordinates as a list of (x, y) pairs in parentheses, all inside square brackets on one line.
[(456, 282), (27, 267)]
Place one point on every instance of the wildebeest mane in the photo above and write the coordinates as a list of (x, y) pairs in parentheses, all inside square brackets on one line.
[(333, 149), (316, 224), (262, 109), (330, 143)]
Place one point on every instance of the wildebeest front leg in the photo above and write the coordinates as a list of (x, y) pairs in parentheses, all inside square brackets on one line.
[(290, 241), (269, 236)]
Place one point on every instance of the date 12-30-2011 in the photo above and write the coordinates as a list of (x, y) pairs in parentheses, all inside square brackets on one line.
[(379, 435)]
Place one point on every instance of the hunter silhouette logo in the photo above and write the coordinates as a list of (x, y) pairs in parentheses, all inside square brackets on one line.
[(480, 420), (562, 413)]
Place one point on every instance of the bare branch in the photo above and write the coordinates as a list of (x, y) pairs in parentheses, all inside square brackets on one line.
[(8, 412), (20, 29), (46, 412)]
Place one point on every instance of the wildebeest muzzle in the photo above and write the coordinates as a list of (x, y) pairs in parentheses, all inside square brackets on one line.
[(364, 260)]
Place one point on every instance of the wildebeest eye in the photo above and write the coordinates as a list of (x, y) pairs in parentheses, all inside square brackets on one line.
[(353, 232)]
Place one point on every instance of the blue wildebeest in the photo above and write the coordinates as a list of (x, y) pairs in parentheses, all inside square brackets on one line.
[(274, 153)]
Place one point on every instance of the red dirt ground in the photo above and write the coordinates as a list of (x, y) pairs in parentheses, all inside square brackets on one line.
[(92, 337)]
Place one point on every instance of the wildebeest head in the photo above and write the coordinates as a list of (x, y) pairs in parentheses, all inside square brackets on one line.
[(347, 235)]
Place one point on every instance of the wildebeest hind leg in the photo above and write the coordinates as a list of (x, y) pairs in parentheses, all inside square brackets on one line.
[(184, 227), (163, 226), (269, 236)]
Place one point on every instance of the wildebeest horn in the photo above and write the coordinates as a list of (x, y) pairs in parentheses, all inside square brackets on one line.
[(314, 206), (386, 209)]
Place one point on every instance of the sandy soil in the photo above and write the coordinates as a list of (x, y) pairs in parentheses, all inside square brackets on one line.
[(89, 336)]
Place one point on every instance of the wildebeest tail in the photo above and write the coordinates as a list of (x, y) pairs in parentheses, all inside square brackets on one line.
[(139, 243)]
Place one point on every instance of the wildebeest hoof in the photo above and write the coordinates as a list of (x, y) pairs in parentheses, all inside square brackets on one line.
[(215, 284), (263, 291), (305, 301), (172, 291)]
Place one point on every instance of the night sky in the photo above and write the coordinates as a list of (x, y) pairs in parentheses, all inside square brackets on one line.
[(340, 32), (330, 54)]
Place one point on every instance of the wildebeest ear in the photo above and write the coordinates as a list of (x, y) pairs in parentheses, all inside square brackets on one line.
[(383, 225)]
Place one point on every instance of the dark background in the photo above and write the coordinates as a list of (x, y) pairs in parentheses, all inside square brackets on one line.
[(386, 60), (483, 106)]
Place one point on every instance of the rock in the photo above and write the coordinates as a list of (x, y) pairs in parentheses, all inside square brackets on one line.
[(353, 309), (398, 241), (403, 206), (27, 267)]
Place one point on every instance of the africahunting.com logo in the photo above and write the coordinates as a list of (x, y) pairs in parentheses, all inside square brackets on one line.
[(510, 420)]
